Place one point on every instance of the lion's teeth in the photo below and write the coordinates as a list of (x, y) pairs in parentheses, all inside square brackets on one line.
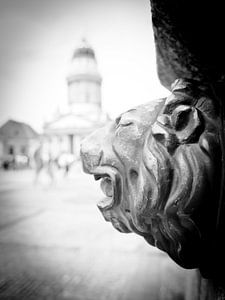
[(97, 177), (107, 187)]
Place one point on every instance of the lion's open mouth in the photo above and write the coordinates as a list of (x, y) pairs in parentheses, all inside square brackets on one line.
[(110, 186), (107, 187), (106, 184)]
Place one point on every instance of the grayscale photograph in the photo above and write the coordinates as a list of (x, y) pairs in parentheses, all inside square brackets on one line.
[(112, 150)]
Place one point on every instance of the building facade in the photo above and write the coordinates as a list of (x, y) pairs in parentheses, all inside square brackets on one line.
[(64, 133)]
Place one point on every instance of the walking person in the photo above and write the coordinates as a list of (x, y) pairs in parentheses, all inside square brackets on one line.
[(38, 161)]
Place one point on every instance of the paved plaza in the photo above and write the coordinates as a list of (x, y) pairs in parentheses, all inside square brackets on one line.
[(55, 244)]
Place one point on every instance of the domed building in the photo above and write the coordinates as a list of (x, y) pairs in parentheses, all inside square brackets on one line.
[(84, 82), (64, 133)]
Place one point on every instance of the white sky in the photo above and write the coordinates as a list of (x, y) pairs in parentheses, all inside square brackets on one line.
[(37, 41)]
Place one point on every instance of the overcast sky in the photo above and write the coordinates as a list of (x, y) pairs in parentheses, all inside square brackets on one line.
[(37, 41)]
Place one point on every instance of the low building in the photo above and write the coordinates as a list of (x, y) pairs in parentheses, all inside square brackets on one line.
[(18, 141)]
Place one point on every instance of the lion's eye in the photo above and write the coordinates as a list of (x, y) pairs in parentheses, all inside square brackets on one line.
[(124, 124)]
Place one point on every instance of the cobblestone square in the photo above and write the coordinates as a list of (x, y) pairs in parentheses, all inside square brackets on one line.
[(54, 244)]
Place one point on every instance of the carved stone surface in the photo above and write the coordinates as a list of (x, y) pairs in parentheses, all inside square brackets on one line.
[(160, 171)]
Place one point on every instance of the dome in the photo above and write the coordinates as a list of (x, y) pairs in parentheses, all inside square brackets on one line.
[(84, 50), (83, 66)]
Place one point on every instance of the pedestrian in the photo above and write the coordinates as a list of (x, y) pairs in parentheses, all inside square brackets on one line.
[(65, 162), (50, 167), (38, 161)]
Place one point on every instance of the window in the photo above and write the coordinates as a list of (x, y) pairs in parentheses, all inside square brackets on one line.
[(23, 149), (11, 150)]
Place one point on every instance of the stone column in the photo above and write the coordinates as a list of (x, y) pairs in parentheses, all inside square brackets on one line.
[(188, 38)]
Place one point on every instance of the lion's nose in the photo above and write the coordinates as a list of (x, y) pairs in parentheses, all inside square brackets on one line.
[(90, 152)]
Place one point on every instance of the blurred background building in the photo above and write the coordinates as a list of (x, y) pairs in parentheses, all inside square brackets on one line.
[(18, 142), (84, 110), (62, 135)]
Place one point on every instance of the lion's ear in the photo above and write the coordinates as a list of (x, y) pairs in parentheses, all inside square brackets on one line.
[(184, 124), (187, 123)]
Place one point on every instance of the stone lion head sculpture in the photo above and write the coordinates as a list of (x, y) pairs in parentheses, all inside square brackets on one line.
[(159, 166)]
